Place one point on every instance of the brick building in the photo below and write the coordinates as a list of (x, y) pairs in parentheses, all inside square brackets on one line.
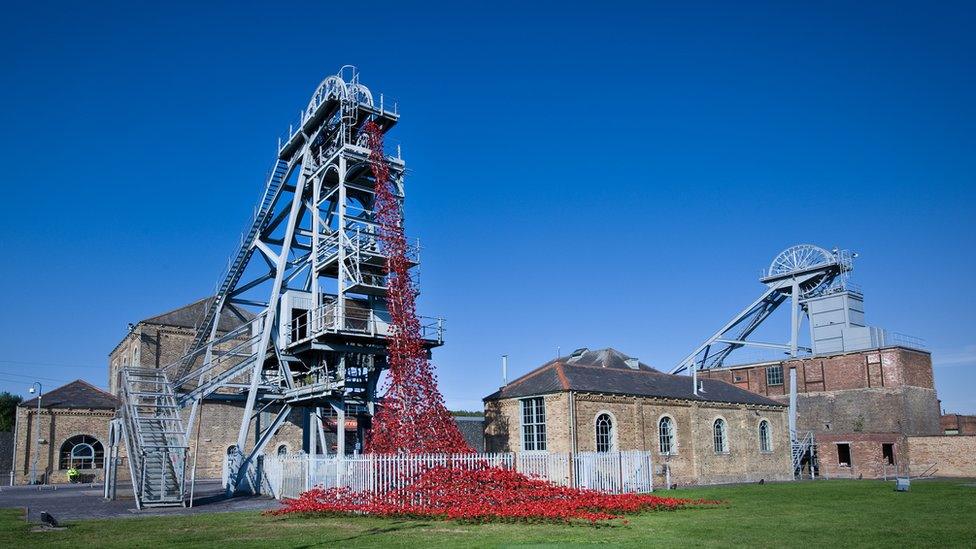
[(861, 406), (73, 423), (163, 339), (606, 401), (956, 424), (81, 409)]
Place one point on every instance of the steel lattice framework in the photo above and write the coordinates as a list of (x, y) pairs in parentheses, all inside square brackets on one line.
[(796, 273), (312, 271)]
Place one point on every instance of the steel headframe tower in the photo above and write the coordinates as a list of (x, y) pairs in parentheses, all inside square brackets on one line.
[(311, 270), (797, 273)]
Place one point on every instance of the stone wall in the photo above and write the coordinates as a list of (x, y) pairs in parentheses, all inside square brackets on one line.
[(636, 419), (902, 410), (953, 455)]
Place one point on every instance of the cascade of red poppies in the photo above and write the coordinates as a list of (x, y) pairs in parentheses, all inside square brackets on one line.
[(482, 494), (412, 417), (414, 420)]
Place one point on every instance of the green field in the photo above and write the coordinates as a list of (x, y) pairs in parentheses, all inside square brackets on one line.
[(812, 514)]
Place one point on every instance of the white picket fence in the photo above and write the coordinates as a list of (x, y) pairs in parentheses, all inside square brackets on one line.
[(613, 472)]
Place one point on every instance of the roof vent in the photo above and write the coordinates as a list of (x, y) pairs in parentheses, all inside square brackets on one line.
[(632, 363), (578, 352)]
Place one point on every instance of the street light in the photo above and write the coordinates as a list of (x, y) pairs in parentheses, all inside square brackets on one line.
[(37, 437)]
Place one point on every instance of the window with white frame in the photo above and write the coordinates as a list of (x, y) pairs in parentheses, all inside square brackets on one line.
[(81, 452), (720, 436), (534, 424), (604, 433), (774, 375), (665, 429), (765, 437)]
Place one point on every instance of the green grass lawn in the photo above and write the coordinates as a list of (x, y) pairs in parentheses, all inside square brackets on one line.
[(813, 514)]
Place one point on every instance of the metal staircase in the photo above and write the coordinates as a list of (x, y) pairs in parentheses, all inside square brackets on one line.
[(236, 268), (224, 364), (804, 446), (303, 233), (154, 438)]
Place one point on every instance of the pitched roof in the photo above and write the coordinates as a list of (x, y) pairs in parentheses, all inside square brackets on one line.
[(77, 394), (610, 371), (190, 316)]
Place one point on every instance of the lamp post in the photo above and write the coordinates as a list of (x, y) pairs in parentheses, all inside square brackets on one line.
[(37, 431)]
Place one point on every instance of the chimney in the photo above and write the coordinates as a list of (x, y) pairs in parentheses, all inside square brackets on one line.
[(504, 370), (632, 363)]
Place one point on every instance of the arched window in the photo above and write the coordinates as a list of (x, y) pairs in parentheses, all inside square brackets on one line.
[(765, 437), (720, 436), (666, 435), (282, 450), (604, 433), (81, 452)]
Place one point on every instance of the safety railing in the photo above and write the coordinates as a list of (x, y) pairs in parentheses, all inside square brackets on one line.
[(328, 319), (364, 243), (905, 340)]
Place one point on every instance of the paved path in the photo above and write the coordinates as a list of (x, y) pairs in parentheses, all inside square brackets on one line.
[(72, 502)]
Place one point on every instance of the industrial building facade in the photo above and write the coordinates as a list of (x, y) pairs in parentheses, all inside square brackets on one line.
[(606, 401), (69, 430), (861, 406), (78, 414)]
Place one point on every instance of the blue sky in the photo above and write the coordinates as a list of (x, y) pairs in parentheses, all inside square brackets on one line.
[(612, 175)]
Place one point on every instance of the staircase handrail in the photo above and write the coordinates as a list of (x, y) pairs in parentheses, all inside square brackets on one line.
[(272, 188)]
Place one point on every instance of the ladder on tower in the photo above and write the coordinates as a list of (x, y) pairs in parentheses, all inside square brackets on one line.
[(236, 269), (154, 438)]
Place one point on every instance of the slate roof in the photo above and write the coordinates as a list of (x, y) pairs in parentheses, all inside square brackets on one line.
[(77, 394), (473, 430), (190, 316), (612, 372)]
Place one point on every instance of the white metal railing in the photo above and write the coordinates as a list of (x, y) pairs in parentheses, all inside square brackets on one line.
[(905, 340), (328, 319), (614, 472), (286, 476), (553, 466)]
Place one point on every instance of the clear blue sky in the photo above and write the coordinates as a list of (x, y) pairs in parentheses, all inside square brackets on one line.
[(598, 176)]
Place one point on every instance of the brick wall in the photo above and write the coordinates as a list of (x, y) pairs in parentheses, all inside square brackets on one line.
[(961, 425), (220, 422), (953, 455), (158, 346), (878, 368), (57, 426), (503, 421), (636, 420), (864, 398), (866, 454)]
